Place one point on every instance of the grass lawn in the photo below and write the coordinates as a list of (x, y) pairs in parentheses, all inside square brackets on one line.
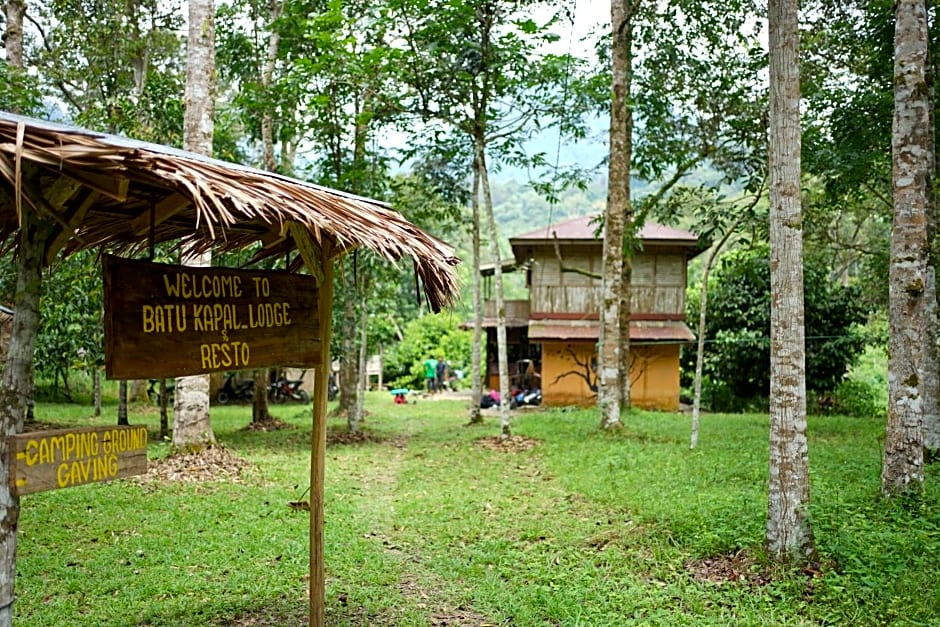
[(429, 523)]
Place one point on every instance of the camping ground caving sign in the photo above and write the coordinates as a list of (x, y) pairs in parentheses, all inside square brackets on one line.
[(168, 321), (62, 458)]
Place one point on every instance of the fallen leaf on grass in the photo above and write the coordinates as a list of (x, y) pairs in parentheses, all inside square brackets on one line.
[(215, 463), (512, 444)]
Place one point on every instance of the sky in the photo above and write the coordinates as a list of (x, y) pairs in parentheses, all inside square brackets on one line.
[(588, 14)]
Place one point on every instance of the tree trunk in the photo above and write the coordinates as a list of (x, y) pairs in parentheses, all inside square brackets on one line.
[(349, 355), (15, 12), (903, 467), (138, 390), (192, 429), (789, 535), (700, 350), (122, 403), (624, 124), (16, 390), (96, 391), (702, 317), (260, 411), (610, 377), (267, 78), (479, 161), (139, 61), (164, 418), (356, 416), (476, 375)]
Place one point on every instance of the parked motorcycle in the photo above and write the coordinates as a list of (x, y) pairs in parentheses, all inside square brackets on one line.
[(235, 392), (285, 389), (332, 388), (525, 397)]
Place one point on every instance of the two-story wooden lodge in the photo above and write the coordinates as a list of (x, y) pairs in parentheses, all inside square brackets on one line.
[(553, 336)]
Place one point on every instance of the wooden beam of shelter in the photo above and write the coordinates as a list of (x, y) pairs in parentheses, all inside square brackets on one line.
[(162, 211), (318, 444), (115, 187), (309, 251), (74, 220)]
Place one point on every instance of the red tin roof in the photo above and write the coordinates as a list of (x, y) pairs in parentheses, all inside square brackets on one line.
[(584, 228), (587, 330)]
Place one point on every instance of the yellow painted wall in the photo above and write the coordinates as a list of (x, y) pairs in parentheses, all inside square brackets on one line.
[(569, 372)]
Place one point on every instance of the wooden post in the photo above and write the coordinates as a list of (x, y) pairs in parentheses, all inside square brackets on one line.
[(318, 444)]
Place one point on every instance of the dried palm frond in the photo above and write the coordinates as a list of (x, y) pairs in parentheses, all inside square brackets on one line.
[(123, 195)]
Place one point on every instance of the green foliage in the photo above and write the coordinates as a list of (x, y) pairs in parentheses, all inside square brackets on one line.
[(847, 76), (130, 84), (428, 521), (850, 398), (737, 332), (71, 328), (432, 335), (19, 92)]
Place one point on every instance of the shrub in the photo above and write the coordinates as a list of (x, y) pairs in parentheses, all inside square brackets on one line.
[(431, 335), (737, 350), (853, 398)]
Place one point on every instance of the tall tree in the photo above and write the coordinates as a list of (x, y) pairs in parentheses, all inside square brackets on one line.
[(18, 92), (613, 384), (17, 380), (486, 202), (668, 118), (476, 391), (789, 534), (251, 60), (903, 468), (480, 83), (16, 386), (342, 67), (853, 78), (192, 429), (725, 231), (129, 84)]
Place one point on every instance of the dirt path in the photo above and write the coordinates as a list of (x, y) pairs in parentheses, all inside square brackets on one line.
[(421, 588)]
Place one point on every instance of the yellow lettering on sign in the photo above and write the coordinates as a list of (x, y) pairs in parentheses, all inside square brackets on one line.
[(193, 287), (86, 470), (32, 457), (269, 315), (163, 318), (228, 355), (123, 440)]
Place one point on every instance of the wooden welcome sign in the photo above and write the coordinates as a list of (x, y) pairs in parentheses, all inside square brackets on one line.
[(62, 458), (167, 321)]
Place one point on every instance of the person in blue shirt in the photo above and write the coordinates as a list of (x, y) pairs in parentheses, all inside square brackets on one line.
[(441, 373)]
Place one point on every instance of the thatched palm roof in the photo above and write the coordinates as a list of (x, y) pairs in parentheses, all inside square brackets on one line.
[(111, 192)]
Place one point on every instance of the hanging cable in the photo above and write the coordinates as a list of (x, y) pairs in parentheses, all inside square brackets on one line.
[(552, 200)]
